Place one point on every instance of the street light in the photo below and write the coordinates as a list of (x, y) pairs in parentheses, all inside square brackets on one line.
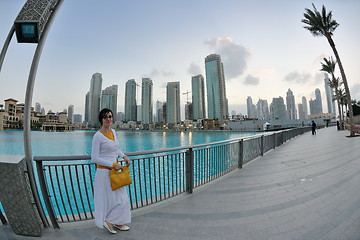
[(31, 26), (32, 20)]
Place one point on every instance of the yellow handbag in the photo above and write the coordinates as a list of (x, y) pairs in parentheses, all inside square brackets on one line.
[(120, 179)]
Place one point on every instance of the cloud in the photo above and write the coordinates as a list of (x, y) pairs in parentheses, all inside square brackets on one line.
[(234, 56), (319, 59), (194, 69), (298, 78), (251, 80), (319, 78), (157, 73)]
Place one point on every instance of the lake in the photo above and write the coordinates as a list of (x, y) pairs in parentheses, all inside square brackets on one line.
[(79, 142)]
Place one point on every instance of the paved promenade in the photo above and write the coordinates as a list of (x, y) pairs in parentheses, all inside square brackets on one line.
[(308, 188)]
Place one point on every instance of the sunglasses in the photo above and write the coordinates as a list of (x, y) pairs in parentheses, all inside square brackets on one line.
[(106, 117)]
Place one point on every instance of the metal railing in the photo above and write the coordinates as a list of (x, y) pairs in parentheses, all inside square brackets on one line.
[(66, 182)]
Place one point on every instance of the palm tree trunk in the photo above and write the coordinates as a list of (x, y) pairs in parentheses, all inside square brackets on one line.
[(339, 109), (347, 91), (337, 94)]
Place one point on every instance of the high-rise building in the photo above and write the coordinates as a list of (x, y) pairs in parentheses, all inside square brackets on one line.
[(198, 97), (87, 103), (173, 102), (215, 86), (147, 101), (251, 108), (304, 107), (277, 108), (318, 102), (109, 99), (77, 118), (130, 101), (159, 112), (95, 99), (329, 95), (312, 104), (188, 111), (262, 109), (70, 113), (301, 111), (290, 105), (120, 116), (138, 113), (37, 107)]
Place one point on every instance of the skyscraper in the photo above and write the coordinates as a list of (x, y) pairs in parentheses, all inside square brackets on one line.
[(290, 105), (95, 99), (198, 96), (329, 95), (87, 103), (262, 109), (130, 101), (188, 111), (251, 108), (312, 104), (70, 115), (159, 112), (318, 102), (215, 86), (147, 101), (173, 102), (301, 111), (277, 108), (37, 107), (305, 107), (77, 118), (109, 99)]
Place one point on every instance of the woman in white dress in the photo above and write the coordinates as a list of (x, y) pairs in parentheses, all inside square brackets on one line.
[(112, 208)]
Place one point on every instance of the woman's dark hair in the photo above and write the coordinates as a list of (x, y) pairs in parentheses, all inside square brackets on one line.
[(103, 113)]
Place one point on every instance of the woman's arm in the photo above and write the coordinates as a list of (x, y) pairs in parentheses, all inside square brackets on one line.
[(95, 153)]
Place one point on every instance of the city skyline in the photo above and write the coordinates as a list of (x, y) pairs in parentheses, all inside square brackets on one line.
[(261, 58)]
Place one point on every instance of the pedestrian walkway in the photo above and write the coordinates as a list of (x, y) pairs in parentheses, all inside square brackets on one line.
[(308, 188)]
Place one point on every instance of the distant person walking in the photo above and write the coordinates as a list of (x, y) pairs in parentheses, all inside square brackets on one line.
[(313, 127), (112, 208), (338, 125)]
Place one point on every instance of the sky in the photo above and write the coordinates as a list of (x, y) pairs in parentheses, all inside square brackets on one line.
[(263, 45)]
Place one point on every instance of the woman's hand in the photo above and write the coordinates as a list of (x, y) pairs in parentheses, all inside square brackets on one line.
[(118, 166), (127, 160)]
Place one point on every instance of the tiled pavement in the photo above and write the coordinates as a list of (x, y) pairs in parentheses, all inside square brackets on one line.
[(308, 188)]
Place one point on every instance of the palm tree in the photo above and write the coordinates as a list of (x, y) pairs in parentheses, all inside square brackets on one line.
[(343, 100), (322, 24), (334, 83)]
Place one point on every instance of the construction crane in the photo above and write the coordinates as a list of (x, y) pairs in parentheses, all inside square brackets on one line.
[(187, 95)]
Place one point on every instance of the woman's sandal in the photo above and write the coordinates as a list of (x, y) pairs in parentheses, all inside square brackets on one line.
[(123, 228), (108, 228)]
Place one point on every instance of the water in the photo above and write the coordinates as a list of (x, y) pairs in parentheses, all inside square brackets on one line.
[(79, 142)]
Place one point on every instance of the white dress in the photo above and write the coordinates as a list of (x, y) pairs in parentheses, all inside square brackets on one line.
[(111, 206)]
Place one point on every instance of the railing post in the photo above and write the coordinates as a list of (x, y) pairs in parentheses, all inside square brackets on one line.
[(45, 194), (274, 141), (262, 145), (3, 219), (241, 153), (189, 170)]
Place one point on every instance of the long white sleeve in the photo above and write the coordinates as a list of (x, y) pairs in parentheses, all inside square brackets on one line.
[(95, 152)]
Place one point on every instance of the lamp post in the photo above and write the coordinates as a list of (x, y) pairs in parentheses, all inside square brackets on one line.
[(32, 26)]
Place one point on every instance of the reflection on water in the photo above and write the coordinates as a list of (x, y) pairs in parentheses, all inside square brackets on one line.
[(79, 142)]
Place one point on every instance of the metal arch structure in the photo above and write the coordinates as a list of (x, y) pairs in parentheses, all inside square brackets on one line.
[(36, 15)]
